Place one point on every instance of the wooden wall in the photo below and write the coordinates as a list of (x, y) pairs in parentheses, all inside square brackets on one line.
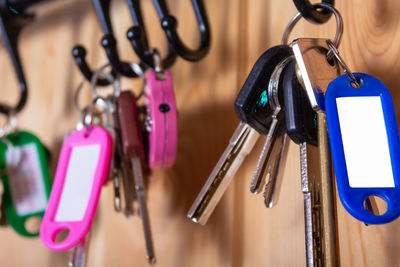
[(241, 232)]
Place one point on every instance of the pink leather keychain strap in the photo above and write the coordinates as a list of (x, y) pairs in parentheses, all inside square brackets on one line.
[(163, 136), (83, 167)]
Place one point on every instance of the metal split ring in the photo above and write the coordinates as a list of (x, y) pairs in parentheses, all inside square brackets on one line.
[(96, 76), (139, 72), (339, 24), (11, 124), (356, 83)]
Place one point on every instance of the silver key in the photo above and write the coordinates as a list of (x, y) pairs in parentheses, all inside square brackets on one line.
[(240, 145), (266, 164), (141, 198), (273, 183), (119, 170), (311, 188), (316, 74), (78, 257)]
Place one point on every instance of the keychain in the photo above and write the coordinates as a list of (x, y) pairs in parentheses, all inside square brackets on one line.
[(83, 168), (365, 144), (162, 126), (25, 176)]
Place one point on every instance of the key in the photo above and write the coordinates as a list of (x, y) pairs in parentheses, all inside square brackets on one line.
[(316, 74), (120, 169), (134, 152), (82, 169), (301, 125), (26, 181), (252, 103), (78, 256), (266, 163), (240, 145), (252, 108)]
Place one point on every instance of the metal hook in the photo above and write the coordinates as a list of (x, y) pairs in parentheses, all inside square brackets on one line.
[(169, 25), (311, 13), (138, 38), (79, 54), (11, 25), (109, 44)]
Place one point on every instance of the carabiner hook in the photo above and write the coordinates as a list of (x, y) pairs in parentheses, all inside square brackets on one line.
[(310, 12), (109, 44), (169, 25), (11, 25), (138, 38)]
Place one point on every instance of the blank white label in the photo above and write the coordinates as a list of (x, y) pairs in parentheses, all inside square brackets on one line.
[(365, 142), (25, 175), (78, 183)]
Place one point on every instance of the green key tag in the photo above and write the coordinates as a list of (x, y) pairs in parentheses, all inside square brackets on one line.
[(26, 180)]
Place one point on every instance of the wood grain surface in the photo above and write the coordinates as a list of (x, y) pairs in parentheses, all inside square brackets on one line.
[(241, 232)]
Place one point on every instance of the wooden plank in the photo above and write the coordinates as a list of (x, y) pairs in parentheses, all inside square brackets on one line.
[(241, 232)]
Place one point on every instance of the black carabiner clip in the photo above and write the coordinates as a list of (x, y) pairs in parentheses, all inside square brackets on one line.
[(109, 44), (169, 25), (310, 13), (11, 25), (138, 38)]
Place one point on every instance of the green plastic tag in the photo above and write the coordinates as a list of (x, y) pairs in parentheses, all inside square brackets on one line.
[(26, 180)]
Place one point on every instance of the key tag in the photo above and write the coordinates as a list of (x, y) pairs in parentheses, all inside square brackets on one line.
[(365, 144), (162, 122), (83, 167), (26, 181)]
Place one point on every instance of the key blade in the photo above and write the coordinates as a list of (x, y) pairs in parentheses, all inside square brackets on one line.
[(141, 197), (260, 173), (78, 256), (240, 145), (316, 72), (311, 188), (272, 188)]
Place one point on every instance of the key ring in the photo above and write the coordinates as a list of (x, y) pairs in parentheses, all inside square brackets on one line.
[(11, 124), (115, 81), (355, 83), (139, 72), (96, 76), (339, 25)]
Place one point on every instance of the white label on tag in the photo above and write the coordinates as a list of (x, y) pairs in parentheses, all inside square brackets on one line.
[(365, 142), (78, 183), (25, 175)]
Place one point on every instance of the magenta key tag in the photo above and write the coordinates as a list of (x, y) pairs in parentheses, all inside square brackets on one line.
[(83, 167), (163, 128)]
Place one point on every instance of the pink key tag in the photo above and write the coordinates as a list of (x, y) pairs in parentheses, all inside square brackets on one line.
[(161, 107), (82, 169)]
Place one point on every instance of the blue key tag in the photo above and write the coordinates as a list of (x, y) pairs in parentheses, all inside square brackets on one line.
[(365, 145)]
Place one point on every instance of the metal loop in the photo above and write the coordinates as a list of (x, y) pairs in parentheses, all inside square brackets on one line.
[(115, 81), (296, 18), (139, 71), (7, 170), (335, 53), (157, 61), (94, 81), (11, 124)]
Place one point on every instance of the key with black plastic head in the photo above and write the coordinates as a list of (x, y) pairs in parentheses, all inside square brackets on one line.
[(267, 170), (252, 108), (133, 152)]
